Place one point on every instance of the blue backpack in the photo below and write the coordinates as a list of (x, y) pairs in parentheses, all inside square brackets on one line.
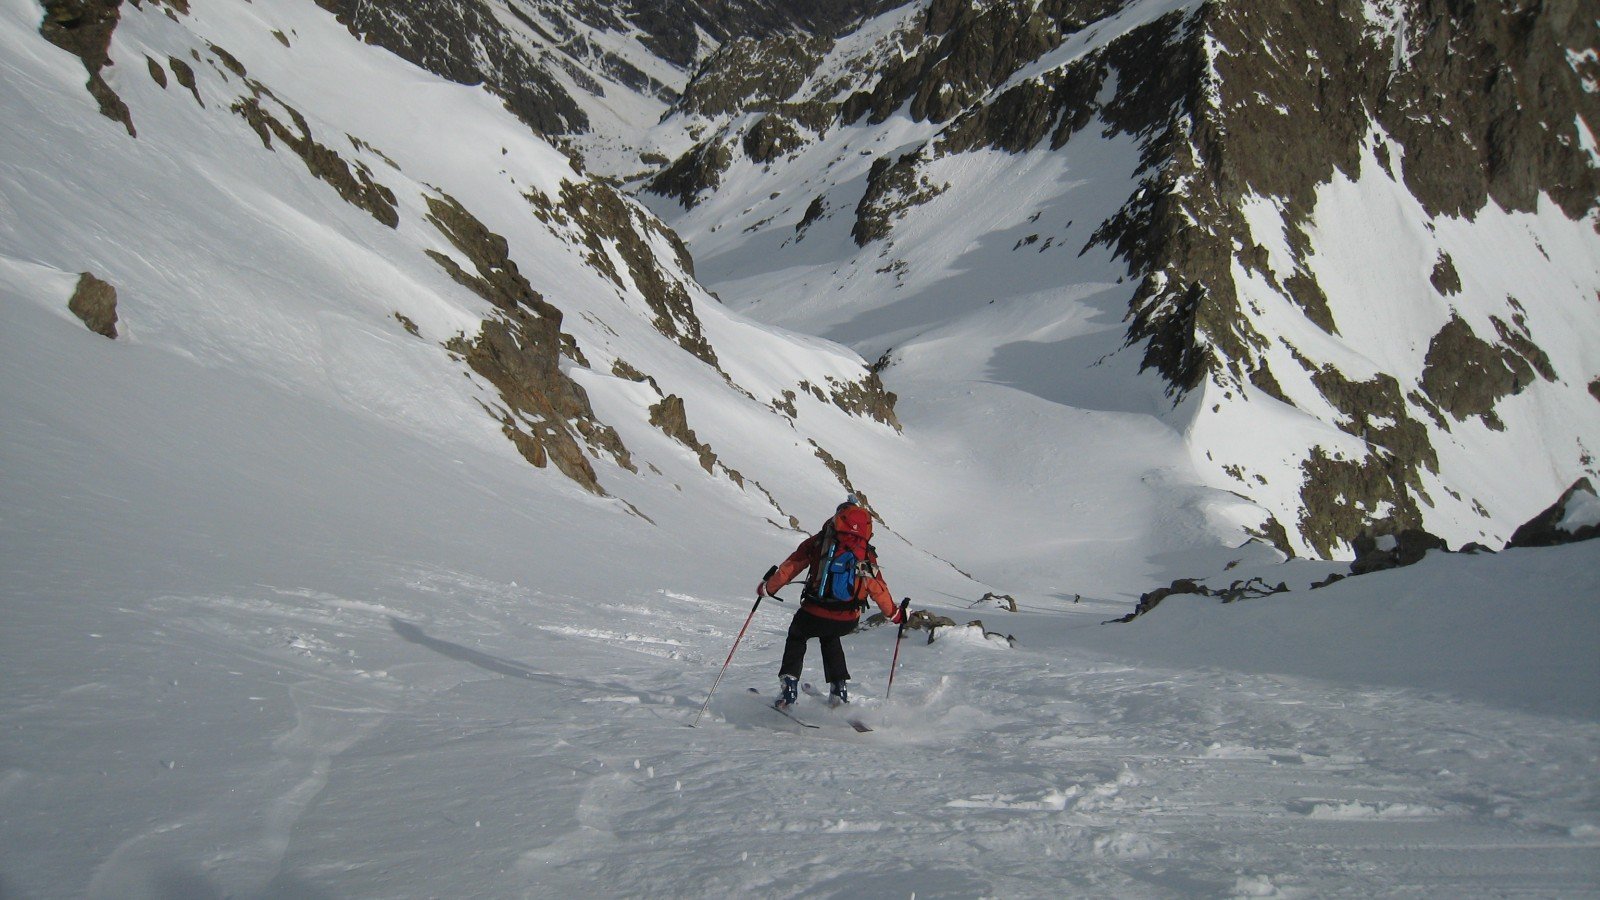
[(833, 582), (839, 582)]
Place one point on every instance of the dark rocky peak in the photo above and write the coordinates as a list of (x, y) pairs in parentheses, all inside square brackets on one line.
[(523, 50), (1258, 98), (467, 43), (1272, 101), (1473, 92), (672, 25), (747, 74), (969, 49)]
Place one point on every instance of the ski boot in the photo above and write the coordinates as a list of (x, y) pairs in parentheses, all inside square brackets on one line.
[(788, 693), (840, 695)]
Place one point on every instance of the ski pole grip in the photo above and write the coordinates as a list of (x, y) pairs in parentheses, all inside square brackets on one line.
[(768, 577)]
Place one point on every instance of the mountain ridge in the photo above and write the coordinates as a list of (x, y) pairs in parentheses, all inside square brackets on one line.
[(1223, 136), (1229, 261)]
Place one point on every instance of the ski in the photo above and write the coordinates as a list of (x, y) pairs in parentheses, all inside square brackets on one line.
[(782, 711), (855, 723)]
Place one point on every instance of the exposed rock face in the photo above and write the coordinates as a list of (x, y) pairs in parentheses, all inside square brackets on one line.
[(519, 352), (748, 74), (1377, 553), (671, 25), (893, 186), (772, 136), (1339, 493), (784, 128), (603, 219), (83, 28), (867, 398), (1466, 376), (1234, 103), (185, 75), (1547, 528), (694, 173), (669, 416), (355, 183), (514, 47), (95, 302), (970, 49)]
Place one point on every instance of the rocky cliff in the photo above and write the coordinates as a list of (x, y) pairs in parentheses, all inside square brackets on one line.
[(1279, 148)]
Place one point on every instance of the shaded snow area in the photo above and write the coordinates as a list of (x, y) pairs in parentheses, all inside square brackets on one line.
[(287, 616)]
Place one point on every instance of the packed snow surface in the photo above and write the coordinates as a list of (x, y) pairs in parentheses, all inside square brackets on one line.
[(286, 616)]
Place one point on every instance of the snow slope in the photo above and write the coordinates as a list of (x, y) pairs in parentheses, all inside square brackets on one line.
[(288, 616), (989, 262), (410, 730)]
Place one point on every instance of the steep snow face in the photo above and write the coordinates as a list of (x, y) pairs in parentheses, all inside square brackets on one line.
[(1421, 279), (1472, 393), (1358, 344), (288, 223)]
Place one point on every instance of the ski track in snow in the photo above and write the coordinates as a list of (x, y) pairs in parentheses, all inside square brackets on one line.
[(264, 636), (412, 747)]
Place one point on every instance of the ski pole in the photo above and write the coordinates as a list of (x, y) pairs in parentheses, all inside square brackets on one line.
[(770, 572), (905, 613)]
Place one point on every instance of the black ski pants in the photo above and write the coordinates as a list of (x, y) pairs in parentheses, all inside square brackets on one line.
[(827, 632)]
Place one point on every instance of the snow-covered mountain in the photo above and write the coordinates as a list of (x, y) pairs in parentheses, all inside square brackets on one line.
[(331, 242), (400, 401), (1353, 243)]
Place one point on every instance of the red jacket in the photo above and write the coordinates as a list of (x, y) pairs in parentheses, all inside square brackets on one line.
[(853, 527)]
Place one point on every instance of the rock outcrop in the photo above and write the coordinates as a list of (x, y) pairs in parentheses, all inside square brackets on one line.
[(1573, 517), (83, 28), (94, 302), (518, 350), (355, 182)]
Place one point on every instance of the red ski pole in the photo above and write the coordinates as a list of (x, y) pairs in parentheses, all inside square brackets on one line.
[(731, 650), (905, 613)]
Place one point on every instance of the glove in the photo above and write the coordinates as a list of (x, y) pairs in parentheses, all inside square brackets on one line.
[(901, 613), (761, 589)]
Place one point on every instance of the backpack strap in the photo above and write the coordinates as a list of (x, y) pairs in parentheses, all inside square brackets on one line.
[(827, 542)]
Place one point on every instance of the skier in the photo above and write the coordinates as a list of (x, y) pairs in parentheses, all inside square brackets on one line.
[(842, 573)]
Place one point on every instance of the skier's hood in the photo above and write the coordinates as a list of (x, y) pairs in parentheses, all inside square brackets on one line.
[(853, 520)]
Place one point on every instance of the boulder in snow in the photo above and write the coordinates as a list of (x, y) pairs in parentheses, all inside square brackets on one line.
[(1574, 517), (1374, 553), (95, 302)]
